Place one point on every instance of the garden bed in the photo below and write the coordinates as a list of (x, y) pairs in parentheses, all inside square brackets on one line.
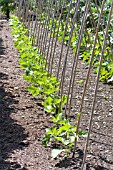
[(23, 121)]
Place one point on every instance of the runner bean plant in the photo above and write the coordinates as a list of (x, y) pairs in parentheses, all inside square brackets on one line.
[(46, 86)]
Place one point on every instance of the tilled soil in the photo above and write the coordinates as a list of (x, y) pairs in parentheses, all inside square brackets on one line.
[(23, 121)]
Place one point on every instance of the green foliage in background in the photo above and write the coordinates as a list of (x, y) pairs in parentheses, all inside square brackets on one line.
[(7, 6), (106, 74)]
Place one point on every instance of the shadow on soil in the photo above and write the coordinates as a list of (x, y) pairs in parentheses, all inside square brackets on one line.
[(75, 163), (11, 134), (2, 49)]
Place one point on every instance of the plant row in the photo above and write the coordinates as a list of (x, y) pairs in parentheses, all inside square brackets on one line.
[(46, 87)]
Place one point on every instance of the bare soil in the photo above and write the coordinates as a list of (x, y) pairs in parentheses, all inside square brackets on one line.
[(23, 121)]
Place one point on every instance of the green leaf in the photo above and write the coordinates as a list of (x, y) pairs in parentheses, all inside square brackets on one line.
[(45, 140), (80, 81), (34, 90), (57, 101), (56, 152), (48, 108), (64, 128), (64, 100), (55, 131), (72, 139), (82, 133), (59, 139), (65, 142), (110, 80), (57, 118)]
